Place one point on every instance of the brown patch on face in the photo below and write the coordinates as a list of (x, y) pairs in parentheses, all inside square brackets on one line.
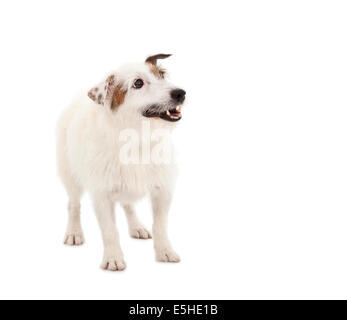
[(118, 96)]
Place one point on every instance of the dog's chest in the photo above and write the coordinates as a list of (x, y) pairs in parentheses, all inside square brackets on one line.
[(100, 161), (133, 182)]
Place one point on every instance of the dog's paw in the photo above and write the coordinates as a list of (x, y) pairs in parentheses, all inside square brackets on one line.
[(139, 232), (76, 239), (113, 264), (167, 255)]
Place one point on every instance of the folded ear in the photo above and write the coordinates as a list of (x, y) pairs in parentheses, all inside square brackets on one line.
[(108, 93), (153, 59)]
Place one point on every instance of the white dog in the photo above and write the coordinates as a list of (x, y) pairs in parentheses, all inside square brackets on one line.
[(91, 134)]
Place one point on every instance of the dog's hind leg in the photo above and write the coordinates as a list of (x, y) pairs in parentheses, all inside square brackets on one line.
[(74, 234), (136, 228)]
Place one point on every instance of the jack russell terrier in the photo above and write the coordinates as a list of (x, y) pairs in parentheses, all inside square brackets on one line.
[(94, 155)]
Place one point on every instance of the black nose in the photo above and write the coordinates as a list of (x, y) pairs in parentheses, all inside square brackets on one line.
[(178, 95)]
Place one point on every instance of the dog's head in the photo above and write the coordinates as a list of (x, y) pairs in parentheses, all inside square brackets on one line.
[(141, 88)]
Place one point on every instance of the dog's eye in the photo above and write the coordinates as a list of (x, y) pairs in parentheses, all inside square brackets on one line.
[(138, 84)]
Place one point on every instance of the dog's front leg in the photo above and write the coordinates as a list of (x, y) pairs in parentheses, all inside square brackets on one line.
[(113, 256), (161, 200)]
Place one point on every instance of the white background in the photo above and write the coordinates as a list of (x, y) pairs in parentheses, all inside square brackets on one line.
[(260, 209)]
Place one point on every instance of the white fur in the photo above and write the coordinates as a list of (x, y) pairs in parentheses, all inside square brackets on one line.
[(88, 149)]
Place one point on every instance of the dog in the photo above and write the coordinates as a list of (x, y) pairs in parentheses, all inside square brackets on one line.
[(92, 155)]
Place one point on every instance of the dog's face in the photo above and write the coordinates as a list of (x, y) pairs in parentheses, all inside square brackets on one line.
[(143, 89)]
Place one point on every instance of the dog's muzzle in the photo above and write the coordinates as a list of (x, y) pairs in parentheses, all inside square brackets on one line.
[(169, 114)]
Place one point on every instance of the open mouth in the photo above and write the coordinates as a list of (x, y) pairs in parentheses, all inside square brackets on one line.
[(172, 115)]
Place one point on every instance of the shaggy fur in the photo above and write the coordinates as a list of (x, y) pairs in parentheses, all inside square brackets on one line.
[(88, 154)]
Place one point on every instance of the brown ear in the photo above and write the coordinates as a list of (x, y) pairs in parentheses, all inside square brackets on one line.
[(153, 59), (108, 93)]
